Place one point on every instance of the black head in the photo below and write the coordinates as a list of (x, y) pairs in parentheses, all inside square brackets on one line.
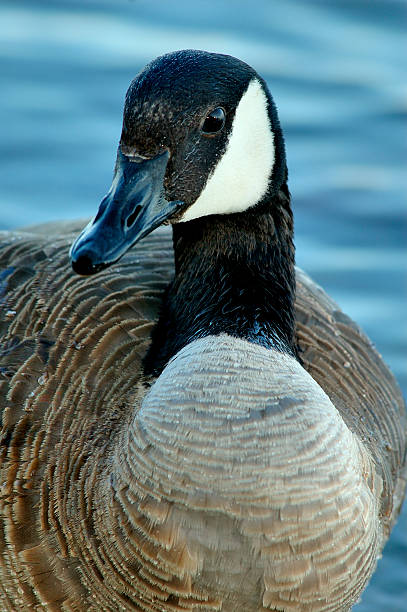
[(200, 137)]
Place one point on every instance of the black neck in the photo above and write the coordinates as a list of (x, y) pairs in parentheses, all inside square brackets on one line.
[(233, 274)]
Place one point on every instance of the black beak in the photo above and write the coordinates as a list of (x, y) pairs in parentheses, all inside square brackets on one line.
[(134, 207)]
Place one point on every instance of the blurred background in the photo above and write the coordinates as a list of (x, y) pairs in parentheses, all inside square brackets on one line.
[(337, 71)]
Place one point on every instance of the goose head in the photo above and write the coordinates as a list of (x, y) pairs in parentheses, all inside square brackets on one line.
[(200, 137)]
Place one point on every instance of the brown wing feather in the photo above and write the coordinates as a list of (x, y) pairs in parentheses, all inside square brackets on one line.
[(70, 356), (343, 361)]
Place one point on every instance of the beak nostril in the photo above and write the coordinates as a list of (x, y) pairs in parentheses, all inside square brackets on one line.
[(131, 218)]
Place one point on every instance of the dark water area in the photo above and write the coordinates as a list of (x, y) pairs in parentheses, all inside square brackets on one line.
[(337, 71)]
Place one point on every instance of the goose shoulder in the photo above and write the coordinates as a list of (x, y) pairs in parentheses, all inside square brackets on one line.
[(53, 322)]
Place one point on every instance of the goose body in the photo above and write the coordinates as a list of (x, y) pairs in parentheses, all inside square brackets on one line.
[(198, 427)]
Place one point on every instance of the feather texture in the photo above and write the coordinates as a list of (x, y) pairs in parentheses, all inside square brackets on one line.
[(109, 502)]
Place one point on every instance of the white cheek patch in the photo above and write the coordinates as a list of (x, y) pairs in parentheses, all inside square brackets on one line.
[(241, 177)]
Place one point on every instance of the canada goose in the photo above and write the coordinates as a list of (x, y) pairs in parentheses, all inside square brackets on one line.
[(265, 466)]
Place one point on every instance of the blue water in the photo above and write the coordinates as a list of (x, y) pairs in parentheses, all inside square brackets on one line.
[(337, 72)]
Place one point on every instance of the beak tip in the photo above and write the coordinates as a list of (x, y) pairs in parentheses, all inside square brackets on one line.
[(83, 264)]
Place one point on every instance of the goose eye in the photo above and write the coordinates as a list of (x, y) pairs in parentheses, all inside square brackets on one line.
[(214, 121)]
